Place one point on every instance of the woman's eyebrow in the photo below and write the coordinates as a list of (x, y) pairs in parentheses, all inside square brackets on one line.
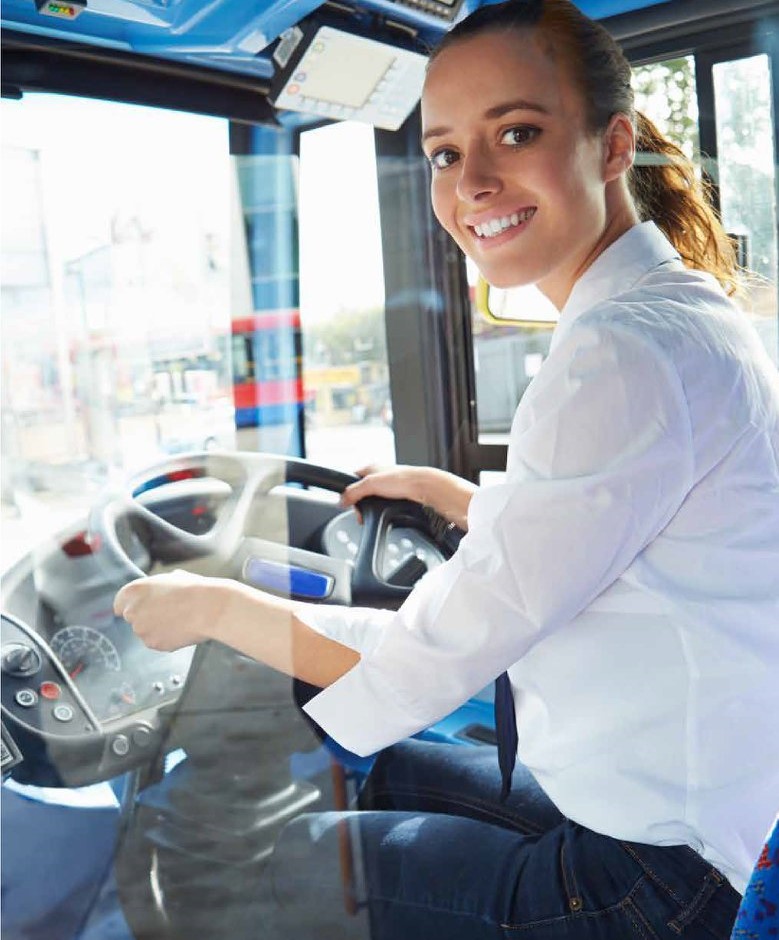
[(520, 104), (496, 111)]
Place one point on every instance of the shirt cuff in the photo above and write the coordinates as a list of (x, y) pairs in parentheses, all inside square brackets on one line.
[(359, 628), (363, 691)]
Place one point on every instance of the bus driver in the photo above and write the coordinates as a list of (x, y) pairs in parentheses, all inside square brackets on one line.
[(625, 572)]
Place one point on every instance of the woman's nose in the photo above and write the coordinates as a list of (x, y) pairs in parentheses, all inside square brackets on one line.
[(478, 177)]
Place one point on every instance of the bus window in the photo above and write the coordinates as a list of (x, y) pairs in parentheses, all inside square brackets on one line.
[(666, 93), (743, 172), (115, 297), (747, 181), (345, 370)]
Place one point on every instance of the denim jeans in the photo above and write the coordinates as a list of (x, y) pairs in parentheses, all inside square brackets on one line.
[(437, 856)]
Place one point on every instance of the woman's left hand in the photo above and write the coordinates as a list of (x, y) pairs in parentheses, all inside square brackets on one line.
[(168, 611)]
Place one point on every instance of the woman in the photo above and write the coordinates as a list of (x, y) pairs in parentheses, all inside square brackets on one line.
[(625, 573)]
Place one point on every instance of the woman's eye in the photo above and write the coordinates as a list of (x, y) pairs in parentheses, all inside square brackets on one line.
[(516, 136), (441, 159)]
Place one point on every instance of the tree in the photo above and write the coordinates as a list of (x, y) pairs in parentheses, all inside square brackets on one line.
[(349, 337), (665, 93)]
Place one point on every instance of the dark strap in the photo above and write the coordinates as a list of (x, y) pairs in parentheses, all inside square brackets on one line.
[(506, 731)]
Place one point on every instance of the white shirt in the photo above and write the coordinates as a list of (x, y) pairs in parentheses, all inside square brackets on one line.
[(626, 570)]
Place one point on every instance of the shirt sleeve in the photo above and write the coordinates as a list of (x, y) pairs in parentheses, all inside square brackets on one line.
[(359, 628), (600, 459)]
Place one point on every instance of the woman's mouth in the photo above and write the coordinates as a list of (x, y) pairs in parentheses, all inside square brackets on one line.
[(493, 228)]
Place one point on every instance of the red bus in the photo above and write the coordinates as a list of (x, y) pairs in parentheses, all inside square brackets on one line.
[(267, 368)]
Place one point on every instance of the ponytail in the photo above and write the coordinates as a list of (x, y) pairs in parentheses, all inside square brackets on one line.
[(666, 190)]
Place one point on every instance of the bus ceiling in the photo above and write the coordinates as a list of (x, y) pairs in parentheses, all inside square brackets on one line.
[(243, 61)]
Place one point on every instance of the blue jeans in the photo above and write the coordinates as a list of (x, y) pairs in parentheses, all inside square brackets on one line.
[(440, 857)]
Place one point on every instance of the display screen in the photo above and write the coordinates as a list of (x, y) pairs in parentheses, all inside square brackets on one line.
[(346, 74), (335, 74)]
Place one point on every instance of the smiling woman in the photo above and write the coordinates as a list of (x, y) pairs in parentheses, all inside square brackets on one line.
[(615, 585), (617, 464), (529, 154)]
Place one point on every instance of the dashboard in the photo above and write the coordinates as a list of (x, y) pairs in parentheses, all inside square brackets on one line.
[(112, 670), (82, 698), (83, 703)]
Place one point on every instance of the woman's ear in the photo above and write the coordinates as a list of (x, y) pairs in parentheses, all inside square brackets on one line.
[(619, 150)]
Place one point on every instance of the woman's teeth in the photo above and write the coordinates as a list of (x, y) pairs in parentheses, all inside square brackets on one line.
[(496, 226)]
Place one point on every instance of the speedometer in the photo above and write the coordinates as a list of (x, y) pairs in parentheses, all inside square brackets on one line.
[(84, 650)]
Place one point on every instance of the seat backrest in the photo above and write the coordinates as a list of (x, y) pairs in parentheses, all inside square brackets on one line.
[(758, 915)]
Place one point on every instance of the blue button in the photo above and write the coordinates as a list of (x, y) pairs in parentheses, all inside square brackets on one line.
[(287, 579)]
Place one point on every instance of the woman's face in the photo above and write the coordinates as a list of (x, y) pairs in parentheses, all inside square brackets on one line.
[(518, 181)]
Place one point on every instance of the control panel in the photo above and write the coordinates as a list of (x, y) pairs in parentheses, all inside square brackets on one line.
[(336, 74), (36, 692)]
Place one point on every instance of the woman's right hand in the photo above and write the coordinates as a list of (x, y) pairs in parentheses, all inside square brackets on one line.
[(448, 494)]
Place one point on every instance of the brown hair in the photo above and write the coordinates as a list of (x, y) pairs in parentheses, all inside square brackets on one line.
[(662, 182)]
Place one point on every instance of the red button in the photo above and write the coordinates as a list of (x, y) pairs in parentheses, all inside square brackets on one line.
[(50, 690)]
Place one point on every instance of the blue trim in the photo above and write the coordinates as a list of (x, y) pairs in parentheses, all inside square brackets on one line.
[(225, 34), (167, 478), (287, 579), (267, 414)]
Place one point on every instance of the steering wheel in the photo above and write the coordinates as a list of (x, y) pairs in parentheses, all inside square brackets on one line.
[(217, 716), (228, 550)]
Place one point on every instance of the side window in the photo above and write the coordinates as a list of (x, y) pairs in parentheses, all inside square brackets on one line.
[(665, 92), (345, 373), (747, 181), (506, 356), (744, 170)]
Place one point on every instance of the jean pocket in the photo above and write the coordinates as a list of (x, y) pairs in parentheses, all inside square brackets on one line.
[(698, 894)]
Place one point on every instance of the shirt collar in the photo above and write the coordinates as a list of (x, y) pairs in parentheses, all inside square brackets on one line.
[(616, 270)]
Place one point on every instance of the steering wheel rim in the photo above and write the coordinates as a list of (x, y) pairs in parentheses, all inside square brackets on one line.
[(248, 474), (245, 474)]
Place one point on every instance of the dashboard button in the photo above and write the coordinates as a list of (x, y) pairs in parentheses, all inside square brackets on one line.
[(141, 737), (20, 660), (50, 690), (120, 745), (26, 698), (63, 712)]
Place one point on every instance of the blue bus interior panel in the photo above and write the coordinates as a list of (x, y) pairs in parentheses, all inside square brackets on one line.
[(236, 36)]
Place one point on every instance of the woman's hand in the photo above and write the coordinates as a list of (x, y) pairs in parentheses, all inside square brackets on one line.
[(168, 611), (448, 494), (398, 482)]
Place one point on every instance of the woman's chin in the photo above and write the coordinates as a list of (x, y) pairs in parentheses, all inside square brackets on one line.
[(506, 280)]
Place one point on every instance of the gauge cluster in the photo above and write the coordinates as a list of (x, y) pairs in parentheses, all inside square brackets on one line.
[(79, 706), (114, 672), (341, 539)]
